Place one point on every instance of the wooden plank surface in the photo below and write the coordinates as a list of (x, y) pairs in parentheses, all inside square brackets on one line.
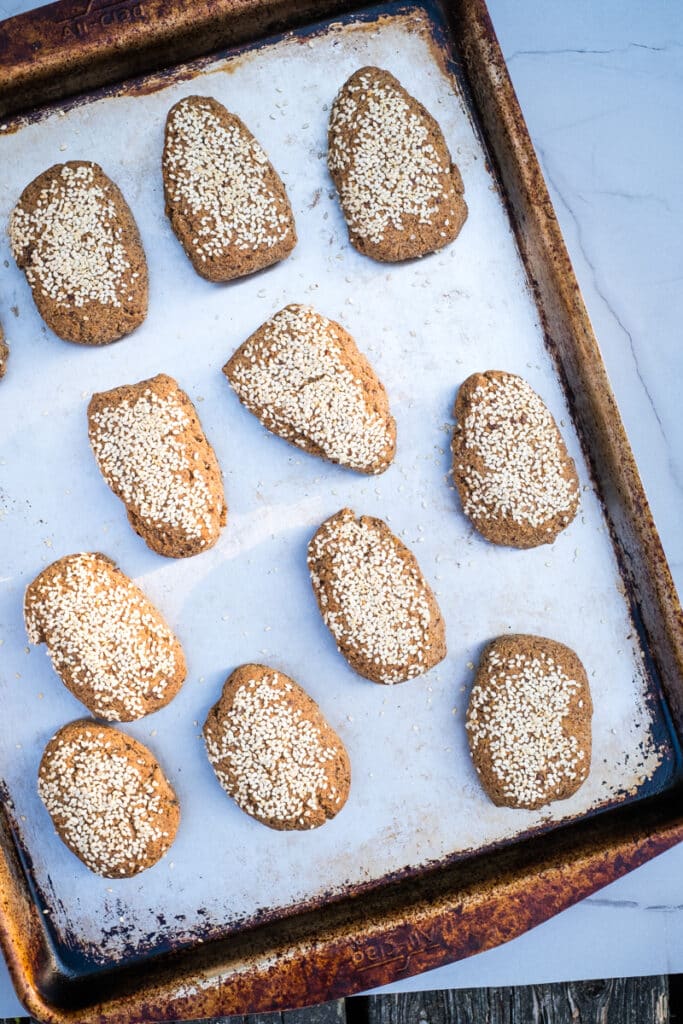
[(617, 1001)]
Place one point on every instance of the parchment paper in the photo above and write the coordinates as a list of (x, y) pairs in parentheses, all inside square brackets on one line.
[(425, 326)]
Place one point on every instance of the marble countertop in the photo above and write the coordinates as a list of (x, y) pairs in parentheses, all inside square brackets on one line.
[(601, 87)]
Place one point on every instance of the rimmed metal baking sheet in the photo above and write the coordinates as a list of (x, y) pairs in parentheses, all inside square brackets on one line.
[(425, 325)]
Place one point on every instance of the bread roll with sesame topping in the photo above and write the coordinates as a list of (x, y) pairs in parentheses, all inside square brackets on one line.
[(108, 799), (74, 236), (516, 479), (400, 192), (274, 753), (153, 453), (107, 642), (529, 721), (374, 599), (305, 379), (224, 199)]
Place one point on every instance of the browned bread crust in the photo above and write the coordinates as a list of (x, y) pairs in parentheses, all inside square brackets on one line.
[(74, 236), (400, 192), (374, 599), (529, 721), (153, 453), (516, 479), (305, 379), (226, 202), (108, 799), (107, 642), (273, 751)]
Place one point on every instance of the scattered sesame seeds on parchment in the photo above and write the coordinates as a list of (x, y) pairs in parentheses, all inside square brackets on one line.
[(425, 327)]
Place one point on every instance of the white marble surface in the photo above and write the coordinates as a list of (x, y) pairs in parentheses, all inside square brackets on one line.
[(601, 87)]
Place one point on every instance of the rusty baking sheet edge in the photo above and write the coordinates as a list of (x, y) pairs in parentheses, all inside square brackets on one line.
[(443, 930)]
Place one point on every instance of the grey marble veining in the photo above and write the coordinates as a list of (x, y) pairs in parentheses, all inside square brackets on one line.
[(601, 89)]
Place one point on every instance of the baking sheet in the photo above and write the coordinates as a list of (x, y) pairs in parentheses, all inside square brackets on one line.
[(425, 326)]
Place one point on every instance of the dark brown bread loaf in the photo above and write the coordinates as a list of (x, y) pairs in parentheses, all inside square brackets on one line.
[(106, 640), (516, 480), (153, 453), (305, 379), (374, 599), (108, 799), (225, 200), (273, 751), (400, 193), (74, 235), (529, 721)]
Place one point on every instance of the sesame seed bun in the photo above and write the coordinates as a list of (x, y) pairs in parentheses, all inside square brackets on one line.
[(529, 721), (274, 752), (226, 202), (400, 192), (153, 453), (374, 599), (516, 480), (304, 378), (107, 642), (108, 799), (74, 236)]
